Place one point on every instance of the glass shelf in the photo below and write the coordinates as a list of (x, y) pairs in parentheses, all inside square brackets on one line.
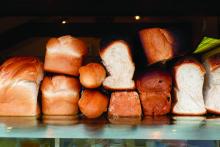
[(163, 127)]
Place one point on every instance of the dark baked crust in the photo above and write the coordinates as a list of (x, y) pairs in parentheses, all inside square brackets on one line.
[(124, 104), (155, 80), (158, 44), (154, 87), (212, 111)]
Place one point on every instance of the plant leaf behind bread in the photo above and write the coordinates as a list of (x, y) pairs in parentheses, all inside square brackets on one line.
[(206, 44)]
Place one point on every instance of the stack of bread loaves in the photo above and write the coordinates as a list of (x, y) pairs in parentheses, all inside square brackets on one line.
[(155, 85), (117, 59), (196, 87), (61, 92), (92, 102)]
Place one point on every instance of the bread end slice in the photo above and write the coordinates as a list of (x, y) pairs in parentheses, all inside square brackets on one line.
[(188, 91), (117, 59)]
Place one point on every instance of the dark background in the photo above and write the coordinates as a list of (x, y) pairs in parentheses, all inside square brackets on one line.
[(108, 7)]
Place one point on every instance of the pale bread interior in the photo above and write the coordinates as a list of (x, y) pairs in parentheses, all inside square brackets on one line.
[(212, 89), (189, 79), (119, 64)]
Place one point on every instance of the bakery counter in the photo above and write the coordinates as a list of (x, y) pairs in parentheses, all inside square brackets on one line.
[(163, 127)]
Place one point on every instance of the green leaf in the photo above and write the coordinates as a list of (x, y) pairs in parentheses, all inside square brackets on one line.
[(207, 44)]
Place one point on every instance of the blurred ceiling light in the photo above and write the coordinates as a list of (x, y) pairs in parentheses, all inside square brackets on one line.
[(137, 17), (63, 22)]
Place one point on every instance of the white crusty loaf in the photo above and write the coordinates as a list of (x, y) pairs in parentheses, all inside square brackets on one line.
[(188, 90), (212, 84), (118, 61), (60, 95), (64, 55), (20, 78)]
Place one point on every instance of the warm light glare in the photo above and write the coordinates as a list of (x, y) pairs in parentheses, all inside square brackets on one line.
[(173, 130), (137, 17), (63, 22), (156, 135)]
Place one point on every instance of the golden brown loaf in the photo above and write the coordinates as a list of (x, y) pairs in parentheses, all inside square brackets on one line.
[(19, 83), (124, 104), (60, 95), (158, 44), (64, 55), (93, 103), (154, 87), (92, 75)]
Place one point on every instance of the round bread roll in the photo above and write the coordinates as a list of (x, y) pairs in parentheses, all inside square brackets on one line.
[(93, 103), (92, 75)]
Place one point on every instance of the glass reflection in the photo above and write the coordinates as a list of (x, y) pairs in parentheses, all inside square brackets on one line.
[(125, 120), (19, 122), (60, 120), (156, 120)]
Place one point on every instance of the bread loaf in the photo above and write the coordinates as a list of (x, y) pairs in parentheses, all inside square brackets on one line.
[(64, 55), (92, 75), (60, 95), (93, 103), (20, 78), (154, 87), (188, 90), (124, 104), (212, 84), (117, 59), (158, 44)]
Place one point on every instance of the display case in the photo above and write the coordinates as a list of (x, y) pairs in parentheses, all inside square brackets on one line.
[(25, 28)]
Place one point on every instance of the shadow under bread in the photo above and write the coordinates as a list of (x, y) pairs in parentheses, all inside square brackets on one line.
[(60, 120)]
